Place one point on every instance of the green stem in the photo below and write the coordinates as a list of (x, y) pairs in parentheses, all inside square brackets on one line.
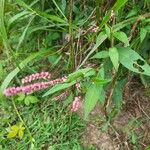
[(22, 121)]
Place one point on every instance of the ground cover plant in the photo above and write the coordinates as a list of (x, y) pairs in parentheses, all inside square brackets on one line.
[(74, 74)]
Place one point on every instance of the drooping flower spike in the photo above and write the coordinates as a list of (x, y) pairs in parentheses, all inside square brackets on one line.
[(30, 88)]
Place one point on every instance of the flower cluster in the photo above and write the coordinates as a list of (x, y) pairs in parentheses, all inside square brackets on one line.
[(26, 89), (78, 87), (76, 104), (30, 88), (59, 80), (33, 87), (61, 96), (36, 76)]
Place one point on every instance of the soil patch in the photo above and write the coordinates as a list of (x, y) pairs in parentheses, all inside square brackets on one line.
[(130, 130)]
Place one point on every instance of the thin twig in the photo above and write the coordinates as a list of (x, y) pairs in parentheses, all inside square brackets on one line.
[(143, 110)]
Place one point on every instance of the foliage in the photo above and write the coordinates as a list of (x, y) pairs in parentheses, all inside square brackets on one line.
[(96, 44)]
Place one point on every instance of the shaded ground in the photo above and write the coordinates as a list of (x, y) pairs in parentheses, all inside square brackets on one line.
[(130, 130)]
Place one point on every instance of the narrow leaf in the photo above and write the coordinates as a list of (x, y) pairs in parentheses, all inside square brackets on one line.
[(101, 54), (58, 87)]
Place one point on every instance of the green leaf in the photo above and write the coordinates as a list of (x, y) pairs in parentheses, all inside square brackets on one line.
[(1, 70), (80, 73), (114, 56), (13, 132), (133, 61), (31, 99), (99, 81), (117, 94), (134, 137), (121, 36), (52, 17), (58, 87), (27, 102), (119, 4), (22, 37), (20, 97), (105, 19), (101, 54), (148, 147), (16, 17), (107, 30), (143, 33), (91, 98), (41, 14)]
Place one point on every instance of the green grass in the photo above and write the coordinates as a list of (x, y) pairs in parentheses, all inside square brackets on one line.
[(50, 123)]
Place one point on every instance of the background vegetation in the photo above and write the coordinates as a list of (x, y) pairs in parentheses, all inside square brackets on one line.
[(101, 45)]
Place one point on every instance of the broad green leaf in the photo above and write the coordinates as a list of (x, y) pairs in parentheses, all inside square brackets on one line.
[(133, 61), (114, 56), (91, 98), (143, 33), (121, 36), (58, 87), (101, 54)]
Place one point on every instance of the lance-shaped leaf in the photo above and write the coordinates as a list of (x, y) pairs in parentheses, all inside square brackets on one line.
[(114, 56)]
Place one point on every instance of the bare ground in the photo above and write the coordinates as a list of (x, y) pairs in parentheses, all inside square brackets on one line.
[(130, 130)]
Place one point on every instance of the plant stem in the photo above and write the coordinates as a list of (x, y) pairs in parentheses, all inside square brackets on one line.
[(19, 116), (72, 52)]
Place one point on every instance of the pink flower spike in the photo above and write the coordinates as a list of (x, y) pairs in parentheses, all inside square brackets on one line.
[(61, 96), (32, 77), (76, 104)]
